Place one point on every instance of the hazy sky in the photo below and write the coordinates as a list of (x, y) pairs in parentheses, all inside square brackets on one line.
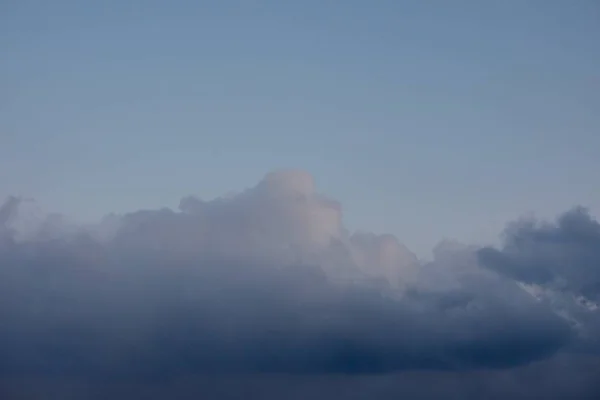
[(331, 122), (426, 119)]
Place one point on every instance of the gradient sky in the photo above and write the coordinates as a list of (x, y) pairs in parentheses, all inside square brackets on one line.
[(425, 119)]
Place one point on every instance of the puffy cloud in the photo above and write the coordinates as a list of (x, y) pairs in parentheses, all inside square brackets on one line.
[(267, 280), (564, 256), (384, 256), (558, 264)]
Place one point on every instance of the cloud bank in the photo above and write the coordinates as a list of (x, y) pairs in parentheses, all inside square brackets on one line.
[(269, 280)]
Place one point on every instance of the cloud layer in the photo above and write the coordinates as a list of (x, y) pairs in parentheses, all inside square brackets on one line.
[(556, 379), (269, 280)]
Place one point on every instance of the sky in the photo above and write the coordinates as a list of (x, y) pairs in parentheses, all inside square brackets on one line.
[(410, 112), (317, 199)]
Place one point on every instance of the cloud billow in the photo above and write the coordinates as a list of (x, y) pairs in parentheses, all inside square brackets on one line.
[(564, 256), (267, 280)]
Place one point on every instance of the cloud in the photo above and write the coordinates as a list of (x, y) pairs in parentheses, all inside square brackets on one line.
[(267, 280), (557, 263), (564, 256), (561, 377)]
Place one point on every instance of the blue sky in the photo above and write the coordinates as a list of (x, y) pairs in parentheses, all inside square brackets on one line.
[(425, 119)]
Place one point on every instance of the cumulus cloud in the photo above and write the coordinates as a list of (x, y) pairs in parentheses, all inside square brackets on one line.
[(564, 256), (269, 280), (558, 264)]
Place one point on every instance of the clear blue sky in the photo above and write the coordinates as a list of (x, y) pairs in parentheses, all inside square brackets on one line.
[(427, 119)]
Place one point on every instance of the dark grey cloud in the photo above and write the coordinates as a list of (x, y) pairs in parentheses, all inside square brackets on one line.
[(563, 256), (558, 378), (264, 281), (559, 264)]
